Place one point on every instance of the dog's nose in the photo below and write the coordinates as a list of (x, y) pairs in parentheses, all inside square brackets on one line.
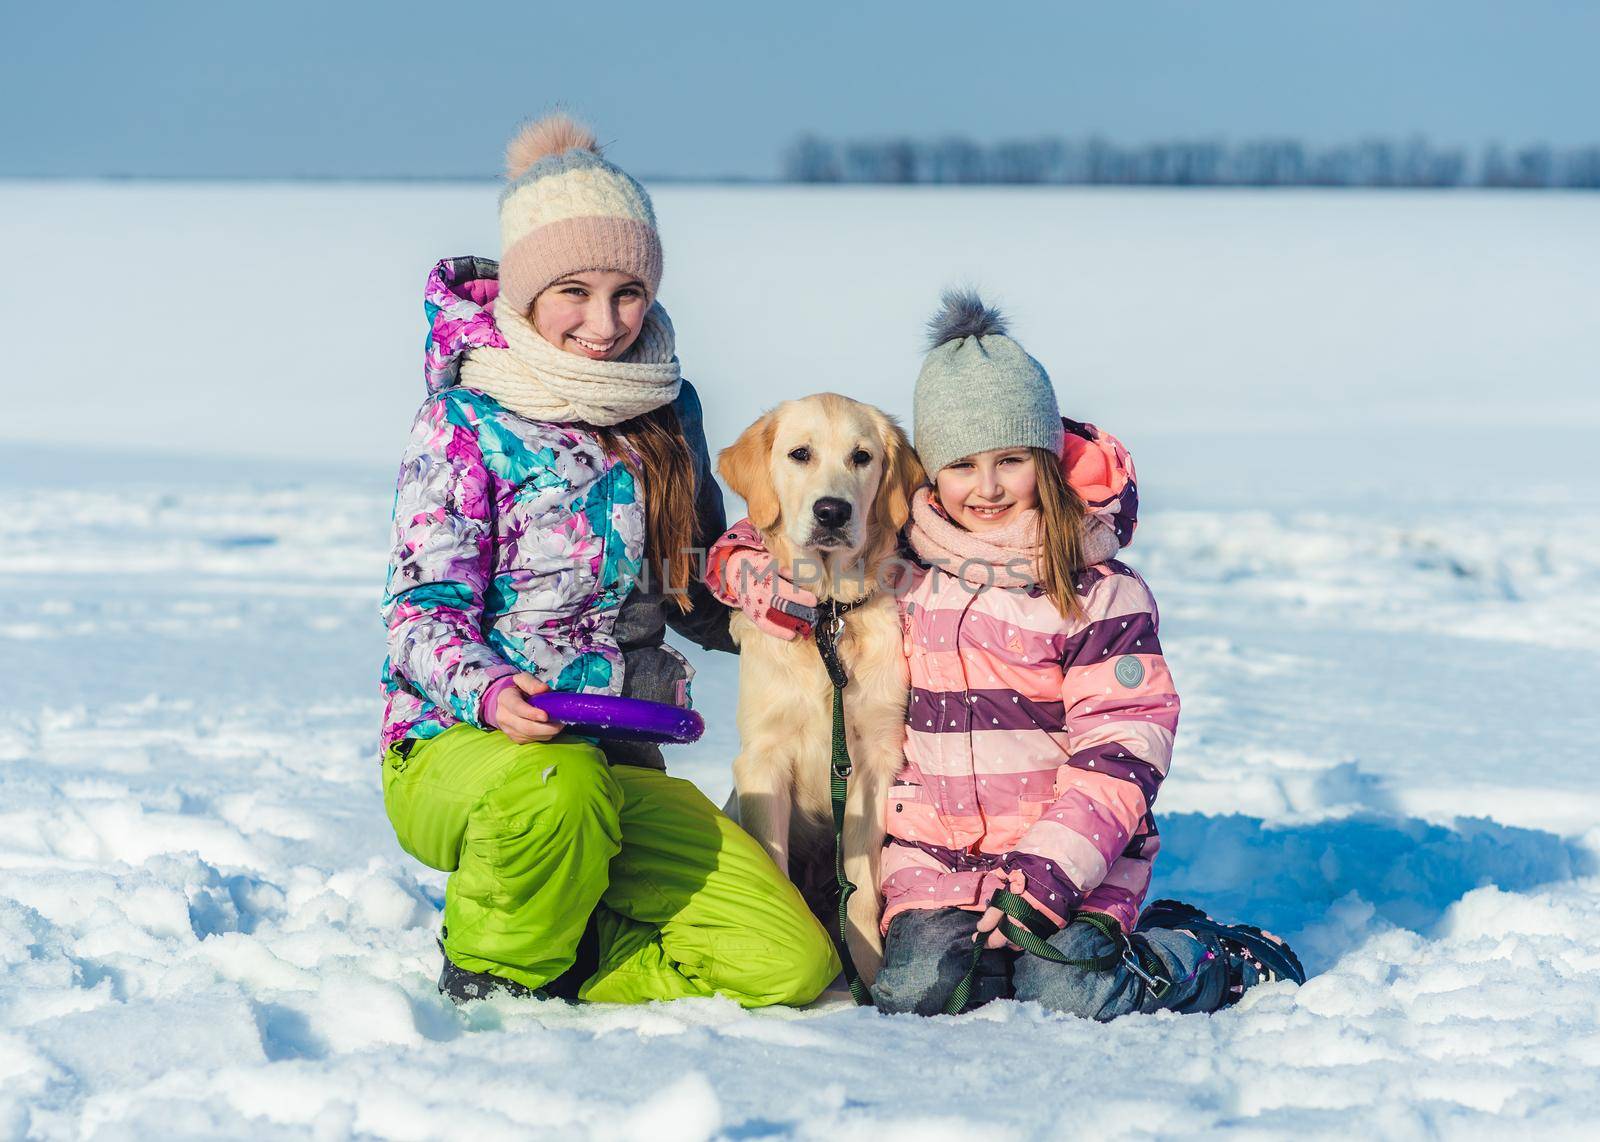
[(831, 511)]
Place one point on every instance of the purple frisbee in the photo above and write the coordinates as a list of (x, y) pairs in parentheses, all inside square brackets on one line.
[(631, 719)]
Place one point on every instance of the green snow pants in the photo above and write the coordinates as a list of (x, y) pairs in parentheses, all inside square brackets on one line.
[(537, 838)]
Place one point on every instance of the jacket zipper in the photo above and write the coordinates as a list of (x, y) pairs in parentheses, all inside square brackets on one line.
[(972, 755)]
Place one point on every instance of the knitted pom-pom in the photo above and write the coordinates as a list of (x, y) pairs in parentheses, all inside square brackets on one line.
[(553, 135), (963, 314)]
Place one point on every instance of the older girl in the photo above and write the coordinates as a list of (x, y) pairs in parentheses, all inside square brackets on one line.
[(555, 484)]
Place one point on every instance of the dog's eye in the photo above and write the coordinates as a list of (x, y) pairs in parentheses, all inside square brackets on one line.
[(800, 455), (860, 457)]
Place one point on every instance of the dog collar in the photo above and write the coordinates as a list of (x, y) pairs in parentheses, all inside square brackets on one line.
[(830, 625)]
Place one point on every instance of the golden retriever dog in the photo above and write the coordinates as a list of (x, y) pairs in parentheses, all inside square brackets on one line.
[(828, 481)]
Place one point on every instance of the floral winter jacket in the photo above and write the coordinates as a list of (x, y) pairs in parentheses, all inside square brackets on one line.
[(1034, 744), (518, 545)]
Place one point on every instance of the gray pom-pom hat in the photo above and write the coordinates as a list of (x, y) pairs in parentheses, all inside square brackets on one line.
[(978, 389)]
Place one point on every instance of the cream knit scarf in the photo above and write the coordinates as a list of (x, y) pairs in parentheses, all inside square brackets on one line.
[(533, 378), (1007, 557)]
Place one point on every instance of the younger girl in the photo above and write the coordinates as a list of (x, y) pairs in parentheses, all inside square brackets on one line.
[(555, 484), (1041, 718)]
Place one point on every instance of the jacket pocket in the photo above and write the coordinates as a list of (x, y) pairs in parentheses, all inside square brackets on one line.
[(1031, 811), (909, 813)]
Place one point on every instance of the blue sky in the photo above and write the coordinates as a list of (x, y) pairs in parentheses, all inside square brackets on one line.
[(288, 87)]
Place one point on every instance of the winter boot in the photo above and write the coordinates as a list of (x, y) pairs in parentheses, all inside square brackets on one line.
[(462, 986), (1253, 956)]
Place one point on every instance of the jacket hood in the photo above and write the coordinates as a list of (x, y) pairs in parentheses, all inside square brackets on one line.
[(459, 300), (1100, 470)]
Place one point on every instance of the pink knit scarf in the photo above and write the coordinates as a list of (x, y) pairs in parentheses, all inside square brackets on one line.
[(1005, 557)]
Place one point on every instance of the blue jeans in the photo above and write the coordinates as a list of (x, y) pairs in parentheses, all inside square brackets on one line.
[(928, 952)]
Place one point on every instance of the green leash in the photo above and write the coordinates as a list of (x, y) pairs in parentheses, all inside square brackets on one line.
[(837, 783), (829, 626), (1022, 924), (1029, 929)]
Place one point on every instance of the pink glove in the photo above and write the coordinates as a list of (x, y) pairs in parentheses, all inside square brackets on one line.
[(488, 712), (777, 607)]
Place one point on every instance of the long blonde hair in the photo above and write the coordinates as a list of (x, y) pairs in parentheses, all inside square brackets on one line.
[(1061, 522), (654, 450)]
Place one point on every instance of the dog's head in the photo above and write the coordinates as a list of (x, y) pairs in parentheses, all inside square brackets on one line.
[(826, 473)]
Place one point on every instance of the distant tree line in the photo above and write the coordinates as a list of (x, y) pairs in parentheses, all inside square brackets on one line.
[(1266, 162)]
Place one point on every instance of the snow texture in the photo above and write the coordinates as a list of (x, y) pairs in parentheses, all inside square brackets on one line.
[(1386, 638)]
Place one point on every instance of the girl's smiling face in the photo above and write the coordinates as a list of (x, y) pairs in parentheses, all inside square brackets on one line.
[(596, 314), (988, 490)]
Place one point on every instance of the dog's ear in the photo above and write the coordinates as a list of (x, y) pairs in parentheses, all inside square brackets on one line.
[(745, 466), (902, 476)]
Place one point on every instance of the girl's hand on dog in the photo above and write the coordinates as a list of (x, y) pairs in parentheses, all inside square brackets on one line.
[(989, 926), (775, 605), (519, 721)]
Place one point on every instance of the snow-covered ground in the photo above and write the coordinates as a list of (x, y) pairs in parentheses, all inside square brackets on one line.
[(1386, 628)]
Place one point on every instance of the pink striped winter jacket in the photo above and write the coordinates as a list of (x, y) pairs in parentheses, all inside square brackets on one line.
[(1034, 744)]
